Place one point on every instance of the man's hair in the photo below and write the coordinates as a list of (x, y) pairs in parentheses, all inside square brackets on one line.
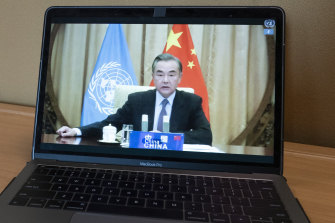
[(166, 57)]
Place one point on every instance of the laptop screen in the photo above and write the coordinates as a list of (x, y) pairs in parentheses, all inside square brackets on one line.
[(104, 71)]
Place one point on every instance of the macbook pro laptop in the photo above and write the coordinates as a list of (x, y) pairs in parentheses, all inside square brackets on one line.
[(232, 58)]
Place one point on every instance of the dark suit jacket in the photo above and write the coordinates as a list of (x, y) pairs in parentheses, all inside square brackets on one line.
[(187, 116)]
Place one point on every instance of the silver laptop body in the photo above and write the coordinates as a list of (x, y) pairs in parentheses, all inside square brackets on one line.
[(240, 48)]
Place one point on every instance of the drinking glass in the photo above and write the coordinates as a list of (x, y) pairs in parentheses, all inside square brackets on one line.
[(126, 129)]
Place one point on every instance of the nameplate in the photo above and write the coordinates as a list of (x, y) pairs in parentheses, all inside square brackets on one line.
[(156, 140)]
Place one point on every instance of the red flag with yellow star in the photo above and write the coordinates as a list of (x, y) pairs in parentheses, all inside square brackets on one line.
[(180, 44)]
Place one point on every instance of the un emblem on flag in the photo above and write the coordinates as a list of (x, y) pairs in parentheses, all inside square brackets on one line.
[(102, 85)]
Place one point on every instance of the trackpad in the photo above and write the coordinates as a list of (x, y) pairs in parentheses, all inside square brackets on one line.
[(103, 218)]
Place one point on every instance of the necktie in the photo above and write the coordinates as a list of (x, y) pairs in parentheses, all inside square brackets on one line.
[(160, 118)]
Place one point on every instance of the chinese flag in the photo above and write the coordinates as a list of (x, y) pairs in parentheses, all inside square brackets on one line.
[(180, 44)]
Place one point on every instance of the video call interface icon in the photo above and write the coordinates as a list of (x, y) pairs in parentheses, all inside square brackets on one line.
[(269, 24)]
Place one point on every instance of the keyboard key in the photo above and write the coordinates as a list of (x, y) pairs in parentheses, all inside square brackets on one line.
[(197, 190), (183, 197), (81, 197), (146, 194), (153, 179), (99, 199), (233, 193), (37, 185), (251, 194), (262, 186), (222, 218), (132, 173), (67, 196), (104, 176), (187, 182), (155, 203), (52, 172), (136, 211), (19, 201), (143, 186), (224, 184), (128, 193), (270, 195), (56, 172), (174, 205), (111, 191), (265, 212), (266, 203), (240, 201), (240, 185), (38, 203), (93, 190), (205, 184), (178, 189), (199, 178), (60, 187), (160, 187), (75, 206), (220, 200), (43, 170), (126, 184), (281, 220), (260, 219), (123, 173), (54, 204), (190, 206), (164, 195), (40, 178), (60, 180), (214, 191), (109, 183), (240, 219), (71, 173), (87, 174), (236, 210), (36, 193), (119, 177), (196, 216), (136, 178), (75, 188), (138, 202), (93, 182), (76, 181), (265, 184), (213, 208), (201, 198), (170, 180), (118, 200)]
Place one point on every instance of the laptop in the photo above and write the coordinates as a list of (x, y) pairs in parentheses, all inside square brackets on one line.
[(238, 55)]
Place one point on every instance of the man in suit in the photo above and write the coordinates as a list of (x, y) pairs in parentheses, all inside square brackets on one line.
[(183, 109)]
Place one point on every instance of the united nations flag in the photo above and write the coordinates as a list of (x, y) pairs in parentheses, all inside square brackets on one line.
[(113, 67)]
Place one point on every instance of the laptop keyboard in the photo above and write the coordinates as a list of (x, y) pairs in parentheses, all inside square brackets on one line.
[(170, 196)]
